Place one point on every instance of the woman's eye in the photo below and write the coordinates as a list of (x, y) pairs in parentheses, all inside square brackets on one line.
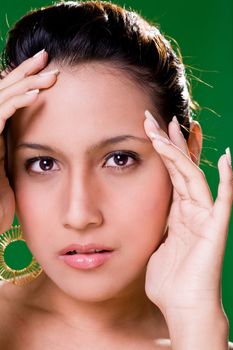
[(120, 160), (41, 165), (117, 160)]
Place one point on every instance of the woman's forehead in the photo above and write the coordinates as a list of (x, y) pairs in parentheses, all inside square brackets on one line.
[(87, 97)]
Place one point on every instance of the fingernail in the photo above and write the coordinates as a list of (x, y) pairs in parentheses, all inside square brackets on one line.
[(39, 53), (228, 154), (31, 92), (157, 137), (174, 119), (50, 72), (149, 116)]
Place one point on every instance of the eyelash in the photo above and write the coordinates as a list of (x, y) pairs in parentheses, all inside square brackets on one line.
[(133, 155)]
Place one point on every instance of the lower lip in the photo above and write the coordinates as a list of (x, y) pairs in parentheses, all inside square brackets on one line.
[(86, 261)]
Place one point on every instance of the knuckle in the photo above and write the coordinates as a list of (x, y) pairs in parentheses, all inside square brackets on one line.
[(36, 81), (23, 72), (12, 105), (30, 82), (25, 66), (172, 171)]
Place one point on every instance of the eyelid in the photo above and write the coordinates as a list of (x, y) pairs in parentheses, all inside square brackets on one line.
[(31, 161), (130, 154), (123, 152)]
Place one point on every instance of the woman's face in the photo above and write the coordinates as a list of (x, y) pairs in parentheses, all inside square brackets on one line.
[(82, 191)]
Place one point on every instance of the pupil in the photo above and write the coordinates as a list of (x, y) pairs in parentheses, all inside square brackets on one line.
[(118, 159), (46, 164)]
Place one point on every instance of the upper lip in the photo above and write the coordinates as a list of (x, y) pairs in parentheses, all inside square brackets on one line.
[(84, 248)]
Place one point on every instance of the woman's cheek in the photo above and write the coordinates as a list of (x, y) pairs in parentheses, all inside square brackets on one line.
[(34, 201), (154, 196), (152, 216), (145, 209)]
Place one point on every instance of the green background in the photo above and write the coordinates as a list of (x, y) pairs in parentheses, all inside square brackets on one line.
[(204, 31)]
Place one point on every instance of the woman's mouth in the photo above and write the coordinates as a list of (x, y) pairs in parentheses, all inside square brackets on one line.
[(85, 257), (91, 251)]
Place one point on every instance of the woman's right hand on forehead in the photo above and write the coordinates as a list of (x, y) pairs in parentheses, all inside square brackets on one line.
[(18, 88)]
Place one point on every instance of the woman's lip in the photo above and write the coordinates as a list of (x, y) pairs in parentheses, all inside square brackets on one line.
[(86, 261), (84, 248)]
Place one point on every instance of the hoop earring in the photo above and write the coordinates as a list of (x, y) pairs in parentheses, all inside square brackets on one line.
[(21, 275)]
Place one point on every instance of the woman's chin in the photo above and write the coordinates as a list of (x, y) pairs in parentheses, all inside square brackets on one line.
[(99, 289), (90, 295)]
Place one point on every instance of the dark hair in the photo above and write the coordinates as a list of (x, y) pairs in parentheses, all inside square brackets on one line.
[(80, 32)]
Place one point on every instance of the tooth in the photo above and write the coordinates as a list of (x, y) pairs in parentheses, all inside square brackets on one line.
[(72, 252)]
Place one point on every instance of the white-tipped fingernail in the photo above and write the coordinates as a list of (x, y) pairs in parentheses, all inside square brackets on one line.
[(228, 154), (158, 137), (31, 92), (150, 117), (50, 72), (39, 53)]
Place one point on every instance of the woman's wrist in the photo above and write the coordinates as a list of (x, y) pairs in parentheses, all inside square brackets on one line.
[(202, 329)]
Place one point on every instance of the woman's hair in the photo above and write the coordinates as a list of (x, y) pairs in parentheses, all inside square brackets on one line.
[(81, 32)]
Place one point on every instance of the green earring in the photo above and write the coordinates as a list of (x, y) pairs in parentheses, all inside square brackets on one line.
[(12, 240)]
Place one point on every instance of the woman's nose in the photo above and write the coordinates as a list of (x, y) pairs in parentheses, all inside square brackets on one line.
[(80, 204)]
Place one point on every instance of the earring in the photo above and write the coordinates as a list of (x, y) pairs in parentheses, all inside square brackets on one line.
[(16, 273)]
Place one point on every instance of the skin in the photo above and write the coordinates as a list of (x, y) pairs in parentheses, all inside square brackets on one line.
[(80, 202)]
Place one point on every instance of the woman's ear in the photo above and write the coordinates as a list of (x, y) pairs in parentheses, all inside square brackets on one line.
[(195, 141)]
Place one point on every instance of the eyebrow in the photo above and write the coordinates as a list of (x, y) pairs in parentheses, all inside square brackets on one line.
[(99, 145)]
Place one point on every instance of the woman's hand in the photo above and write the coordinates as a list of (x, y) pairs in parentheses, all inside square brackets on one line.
[(18, 89), (184, 274)]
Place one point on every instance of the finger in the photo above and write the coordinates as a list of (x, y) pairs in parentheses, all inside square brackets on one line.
[(181, 191), (223, 202), (178, 182), (152, 122), (8, 108), (33, 82), (192, 175), (176, 178), (30, 66), (174, 131), (178, 162), (4, 73), (176, 135)]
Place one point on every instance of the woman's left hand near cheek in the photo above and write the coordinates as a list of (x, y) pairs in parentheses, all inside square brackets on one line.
[(185, 271)]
